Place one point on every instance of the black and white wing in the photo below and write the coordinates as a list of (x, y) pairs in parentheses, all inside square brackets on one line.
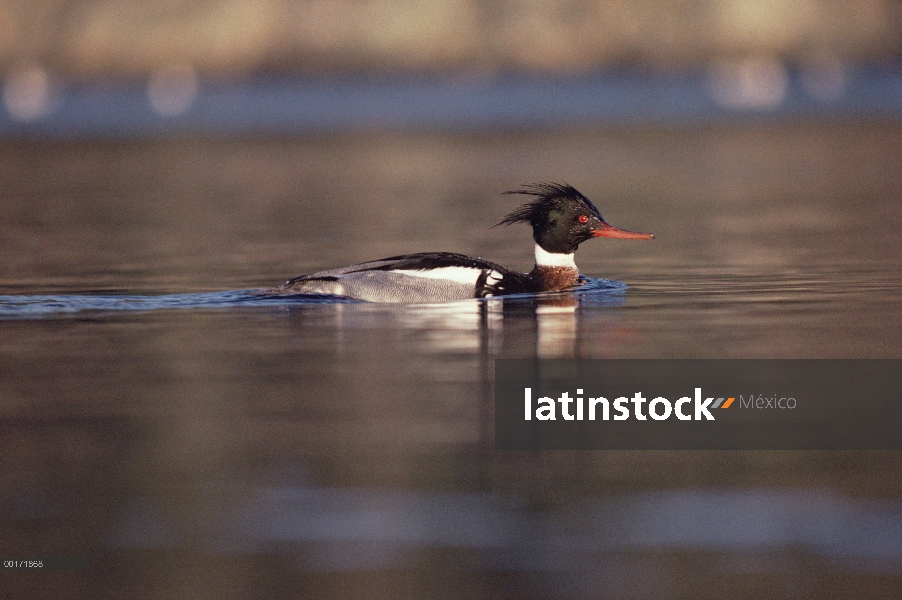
[(423, 277)]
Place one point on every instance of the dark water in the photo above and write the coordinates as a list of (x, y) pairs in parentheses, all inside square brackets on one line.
[(196, 440), (417, 102)]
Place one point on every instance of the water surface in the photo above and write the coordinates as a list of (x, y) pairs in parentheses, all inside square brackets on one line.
[(196, 440)]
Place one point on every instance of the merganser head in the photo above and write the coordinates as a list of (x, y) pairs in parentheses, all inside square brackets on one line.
[(562, 218)]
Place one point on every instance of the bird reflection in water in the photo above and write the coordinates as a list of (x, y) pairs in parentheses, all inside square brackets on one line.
[(539, 325), (556, 327)]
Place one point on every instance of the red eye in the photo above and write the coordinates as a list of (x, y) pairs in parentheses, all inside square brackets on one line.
[(583, 219)]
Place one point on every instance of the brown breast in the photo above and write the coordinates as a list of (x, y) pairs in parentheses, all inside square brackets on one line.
[(551, 279)]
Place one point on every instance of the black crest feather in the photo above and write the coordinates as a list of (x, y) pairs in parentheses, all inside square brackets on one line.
[(549, 197)]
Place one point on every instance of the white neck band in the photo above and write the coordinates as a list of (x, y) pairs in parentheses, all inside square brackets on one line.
[(553, 259)]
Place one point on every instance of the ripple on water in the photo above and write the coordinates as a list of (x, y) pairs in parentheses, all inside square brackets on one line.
[(47, 306)]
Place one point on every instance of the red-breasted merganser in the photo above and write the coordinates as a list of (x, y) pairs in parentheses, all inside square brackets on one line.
[(561, 219)]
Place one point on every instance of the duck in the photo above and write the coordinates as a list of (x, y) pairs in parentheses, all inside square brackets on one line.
[(561, 219)]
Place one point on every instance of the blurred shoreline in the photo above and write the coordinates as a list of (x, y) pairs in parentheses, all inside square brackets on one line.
[(109, 68), (99, 39)]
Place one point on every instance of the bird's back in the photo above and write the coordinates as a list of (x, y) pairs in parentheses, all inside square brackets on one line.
[(424, 277)]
